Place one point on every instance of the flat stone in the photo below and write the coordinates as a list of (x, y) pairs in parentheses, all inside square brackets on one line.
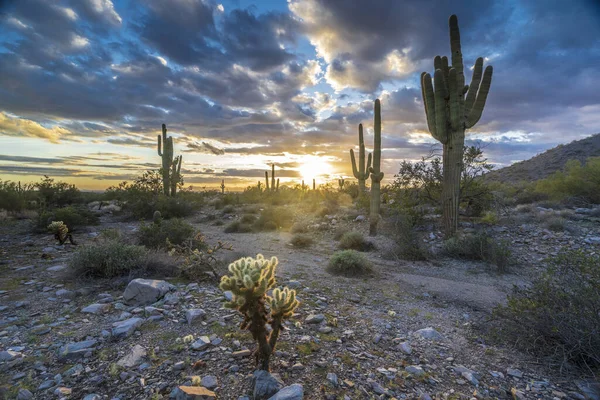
[(430, 334), (142, 292), (76, 350), (241, 353), (56, 268), (415, 370), (514, 372), (265, 385), (470, 376), (134, 358), (209, 381), (314, 319), (194, 314), (202, 343), (123, 329), (9, 355), (192, 393), (293, 392), (93, 396), (24, 394), (68, 294), (96, 308)]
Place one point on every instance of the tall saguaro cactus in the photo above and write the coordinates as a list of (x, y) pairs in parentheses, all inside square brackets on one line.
[(223, 186), (362, 172), (375, 170), (451, 108), (274, 187), (165, 151)]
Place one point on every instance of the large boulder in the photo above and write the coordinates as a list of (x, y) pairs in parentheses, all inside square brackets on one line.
[(143, 292), (265, 385)]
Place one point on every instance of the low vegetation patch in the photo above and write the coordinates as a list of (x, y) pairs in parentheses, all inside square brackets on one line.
[(355, 241), (72, 216), (238, 227), (272, 218), (349, 263), (155, 234), (479, 246), (301, 241), (559, 311), (112, 258)]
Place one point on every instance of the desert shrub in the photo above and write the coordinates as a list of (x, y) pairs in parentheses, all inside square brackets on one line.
[(479, 246), (248, 219), (559, 310), (112, 258), (13, 197), (272, 218), (238, 227), (174, 207), (56, 194), (407, 243), (363, 202), (300, 227), (349, 263), (351, 189), (489, 218), (339, 232), (110, 234), (228, 209), (225, 200), (301, 241), (420, 183), (556, 224), (354, 240), (577, 183), (155, 235), (72, 216)]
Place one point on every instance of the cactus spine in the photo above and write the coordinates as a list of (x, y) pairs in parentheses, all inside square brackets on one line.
[(223, 186), (375, 170), (362, 172), (449, 113), (171, 168), (249, 280)]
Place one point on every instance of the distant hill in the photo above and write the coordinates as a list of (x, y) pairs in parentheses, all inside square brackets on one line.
[(548, 162)]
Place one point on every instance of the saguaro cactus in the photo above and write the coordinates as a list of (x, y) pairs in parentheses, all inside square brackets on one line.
[(223, 186), (341, 182), (375, 170), (314, 184), (362, 172), (449, 113), (175, 178), (274, 187), (249, 280), (165, 151)]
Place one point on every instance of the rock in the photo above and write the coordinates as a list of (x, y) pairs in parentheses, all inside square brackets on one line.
[(228, 294), (241, 353), (123, 329), (194, 314), (76, 350), (314, 319), (63, 391), (415, 370), (192, 393), (265, 385), (293, 392), (46, 385), (93, 396), (56, 268), (590, 389), (134, 358), (377, 338), (171, 298), (514, 372), (360, 218), (209, 381), (471, 376), (430, 334), (202, 343), (68, 294), (333, 379), (96, 308), (24, 394), (142, 292), (9, 355), (74, 371), (405, 348)]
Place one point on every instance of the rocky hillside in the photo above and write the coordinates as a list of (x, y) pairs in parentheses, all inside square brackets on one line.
[(550, 161)]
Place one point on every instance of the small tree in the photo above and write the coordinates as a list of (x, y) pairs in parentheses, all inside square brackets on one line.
[(249, 280), (421, 182)]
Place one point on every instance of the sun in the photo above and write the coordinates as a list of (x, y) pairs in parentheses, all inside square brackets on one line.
[(313, 168)]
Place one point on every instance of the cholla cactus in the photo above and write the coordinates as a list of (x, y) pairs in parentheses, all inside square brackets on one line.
[(249, 280), (157, 217), (60, 231)]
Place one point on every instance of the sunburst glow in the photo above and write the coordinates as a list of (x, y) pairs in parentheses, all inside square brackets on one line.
[(314, 167)]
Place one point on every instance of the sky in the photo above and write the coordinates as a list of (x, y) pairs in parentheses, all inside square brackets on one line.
[(86, 84)]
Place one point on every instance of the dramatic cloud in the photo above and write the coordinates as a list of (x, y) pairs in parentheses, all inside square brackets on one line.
[(241, 87)]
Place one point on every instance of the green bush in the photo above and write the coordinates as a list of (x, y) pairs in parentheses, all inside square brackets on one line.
[(301, 241), (56, 194), (228, 209), (354, 240), (248, 219), (238, 227), (272, 218), (72, 216), (349, 263), (408, 246), (111, 258), (559, 311), (576, 183), (155, 235), (479, 246)]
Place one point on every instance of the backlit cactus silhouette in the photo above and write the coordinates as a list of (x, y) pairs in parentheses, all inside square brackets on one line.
[(451, 107), (272, 187), (375, 170), (341, 183), (171, 168), (249, 280), (223, 186), (362, 171)]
